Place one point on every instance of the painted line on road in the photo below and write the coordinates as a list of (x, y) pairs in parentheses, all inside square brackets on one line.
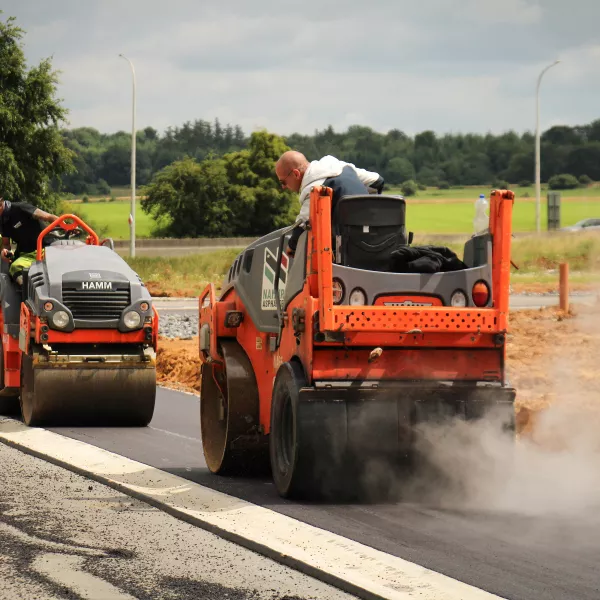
[(179, 435), (344, 563)]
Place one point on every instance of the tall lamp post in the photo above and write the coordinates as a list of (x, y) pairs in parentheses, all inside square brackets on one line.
[(537, 147), (132, 215)]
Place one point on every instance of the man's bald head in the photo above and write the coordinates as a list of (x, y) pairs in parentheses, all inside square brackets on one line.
[(290, 169)]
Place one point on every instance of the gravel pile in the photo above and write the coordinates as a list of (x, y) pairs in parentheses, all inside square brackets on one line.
[(178, 326)]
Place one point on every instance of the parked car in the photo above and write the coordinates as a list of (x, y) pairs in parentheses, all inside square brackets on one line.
[(584, 225)]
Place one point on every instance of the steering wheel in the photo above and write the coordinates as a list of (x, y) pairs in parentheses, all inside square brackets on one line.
[(74, 232), (65, 233)]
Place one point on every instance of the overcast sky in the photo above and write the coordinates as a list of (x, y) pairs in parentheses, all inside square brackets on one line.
[(446, 65)]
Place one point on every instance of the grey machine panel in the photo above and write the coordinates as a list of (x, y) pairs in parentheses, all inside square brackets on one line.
[(90, 272), (252, 276), (478, 253)]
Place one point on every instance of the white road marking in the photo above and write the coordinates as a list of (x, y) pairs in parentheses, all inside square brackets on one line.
[(179, 435), (67, 570), (347, 564), (47, 544), (60, 564)]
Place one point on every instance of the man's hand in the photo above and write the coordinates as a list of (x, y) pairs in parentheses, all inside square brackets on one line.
[(7, 255)]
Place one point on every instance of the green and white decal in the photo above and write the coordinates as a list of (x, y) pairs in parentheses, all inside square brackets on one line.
[(268, 280)]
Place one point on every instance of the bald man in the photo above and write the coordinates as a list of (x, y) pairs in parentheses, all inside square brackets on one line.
[(297, 174)]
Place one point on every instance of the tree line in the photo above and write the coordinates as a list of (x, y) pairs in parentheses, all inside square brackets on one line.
[(103, 161)]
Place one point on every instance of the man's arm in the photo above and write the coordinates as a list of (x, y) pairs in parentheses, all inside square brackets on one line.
[(42, 215)]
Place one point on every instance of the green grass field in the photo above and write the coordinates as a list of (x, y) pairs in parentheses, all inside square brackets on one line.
[(521, 193), (457, 217), (111, 218), (431, 211)]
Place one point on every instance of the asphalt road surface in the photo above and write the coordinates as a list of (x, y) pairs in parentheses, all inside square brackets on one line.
[(519, 554), (63, 536)]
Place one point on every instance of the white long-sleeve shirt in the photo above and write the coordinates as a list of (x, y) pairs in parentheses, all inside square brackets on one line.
[(320, 170)]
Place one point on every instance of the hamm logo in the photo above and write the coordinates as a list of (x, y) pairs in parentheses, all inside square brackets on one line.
[(268, 280), (96, 285)]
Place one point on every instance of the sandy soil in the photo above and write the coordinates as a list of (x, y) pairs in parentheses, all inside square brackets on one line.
[(552, 360)]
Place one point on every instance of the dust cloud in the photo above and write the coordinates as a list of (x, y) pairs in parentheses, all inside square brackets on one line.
[(553, 469)]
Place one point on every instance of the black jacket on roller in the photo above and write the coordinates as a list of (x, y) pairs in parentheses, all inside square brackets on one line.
[(425, 259)]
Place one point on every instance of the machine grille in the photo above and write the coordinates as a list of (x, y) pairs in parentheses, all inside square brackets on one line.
[(95, 304)]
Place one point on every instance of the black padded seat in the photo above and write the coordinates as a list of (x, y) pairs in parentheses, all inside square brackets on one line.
[(367, 229)]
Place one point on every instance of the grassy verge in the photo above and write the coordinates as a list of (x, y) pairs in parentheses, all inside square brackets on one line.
[(183, 275), (537, 258)]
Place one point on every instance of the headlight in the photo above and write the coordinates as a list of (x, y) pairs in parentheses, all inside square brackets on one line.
[(60, 319), (132, 319), (458, 300), (358, 297), (338, 291)]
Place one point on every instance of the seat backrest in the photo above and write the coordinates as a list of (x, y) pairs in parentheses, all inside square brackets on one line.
[(366, 230)]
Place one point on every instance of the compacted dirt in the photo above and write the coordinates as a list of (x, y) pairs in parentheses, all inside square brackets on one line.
[(552, 360)]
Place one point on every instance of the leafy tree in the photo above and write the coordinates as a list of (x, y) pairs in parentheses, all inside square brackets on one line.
[(500, 184), (585, 180), (32, 154), (399, 169), (237, 194), (187, 199), (409, 188), (103, 187), (564, 181)]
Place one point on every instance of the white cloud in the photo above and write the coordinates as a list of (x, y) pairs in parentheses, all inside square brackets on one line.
[(522, 12), (447, 65)]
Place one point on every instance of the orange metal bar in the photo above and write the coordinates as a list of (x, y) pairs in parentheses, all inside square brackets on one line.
[(67, 227), (11, 356), (564, 287), (501, 229), (423, 339), (407, 364), (155, 323), (12, 361), (25, 326), (412, 320), (321, 199)]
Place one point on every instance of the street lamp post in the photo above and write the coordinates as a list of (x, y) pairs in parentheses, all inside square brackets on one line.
[(132, 215), (537, 147)]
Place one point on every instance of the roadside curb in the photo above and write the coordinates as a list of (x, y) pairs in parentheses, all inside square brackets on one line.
[(333, 559)]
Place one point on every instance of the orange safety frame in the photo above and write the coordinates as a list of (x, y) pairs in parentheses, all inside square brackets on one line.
[(380, 319), (93, 236)]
